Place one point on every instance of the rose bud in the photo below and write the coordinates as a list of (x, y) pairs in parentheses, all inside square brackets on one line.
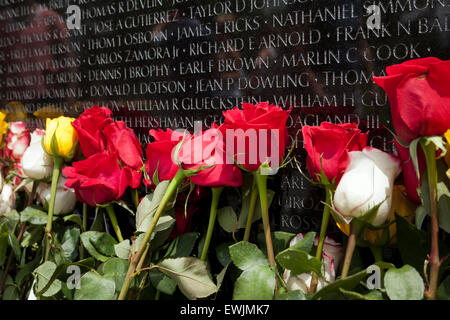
[(328, 146), (98, 179), (255, 127), (7, 199), (65, 200), (89, 126), (123, 140), (367, 182), (332, 254), (205, 152), (17, 140), (36, 163), (60, 137), (159, 155), (419, 97)]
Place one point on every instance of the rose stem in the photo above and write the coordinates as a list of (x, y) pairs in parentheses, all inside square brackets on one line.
[(377, 252), (323, 231), (171, 189), (115, 224), (251, 212), (351, 244), (430, 156), (261, 181), (135, 195), (84, 228), (216, 192), (58, 161), (19, 237)]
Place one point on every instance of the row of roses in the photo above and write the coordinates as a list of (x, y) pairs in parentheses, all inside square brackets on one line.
[(359, 180)]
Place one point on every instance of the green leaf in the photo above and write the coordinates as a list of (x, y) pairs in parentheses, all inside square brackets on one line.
[(255, 283), (99, 220), (116, 269), (404, 284), (4, 232), (348, 283), (124, 205), (162, 282), (246, 255), (12, 219), (414, 158), (15, 246), (191, 275), (412, 243), (33, 236), (299, 262), (443, 194), (182, 246), (123, 249), (291, 295), (69, 243), (35, 215), (420, 213), (73, 218), (227, 218), (26, 271), (372, 295), (221, 276), (148, 206), (258, 279), (95, 287), (223, 253), (44, 275), (280, 241), (11, 293), (306, 243), (443, 292), (100, 245)]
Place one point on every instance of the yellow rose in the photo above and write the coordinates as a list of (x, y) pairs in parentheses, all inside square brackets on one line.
[(3, 125), (400, 205), (60, 138)]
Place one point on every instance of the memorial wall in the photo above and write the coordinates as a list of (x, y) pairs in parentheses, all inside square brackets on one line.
[(169, 63)]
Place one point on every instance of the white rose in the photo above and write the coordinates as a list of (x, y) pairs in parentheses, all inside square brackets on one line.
[(36, 163), (367, 181), (7, 199), (65, 199), (332, 254)]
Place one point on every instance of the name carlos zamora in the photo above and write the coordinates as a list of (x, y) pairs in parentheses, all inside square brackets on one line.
[(227, 309)]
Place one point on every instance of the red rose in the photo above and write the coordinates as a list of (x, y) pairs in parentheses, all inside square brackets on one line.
[(123, 140), (184, 214), (419, 96), (409, 173), (260, 123), (333, 142), (159, 155), (89, 126), (97, 179), (207, 149), (17, 140)]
